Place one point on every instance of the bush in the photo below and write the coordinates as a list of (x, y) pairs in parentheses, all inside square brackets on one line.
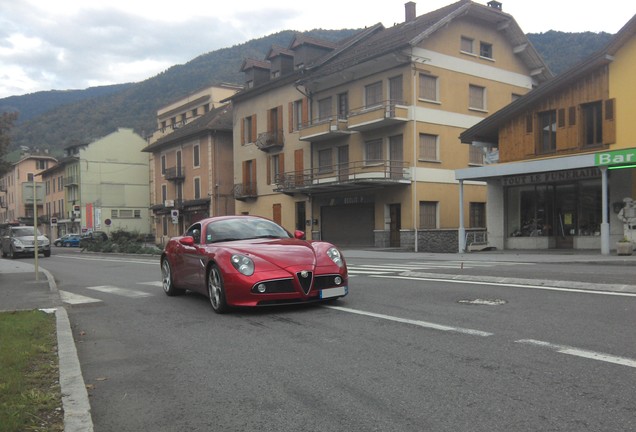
[(122, 241)]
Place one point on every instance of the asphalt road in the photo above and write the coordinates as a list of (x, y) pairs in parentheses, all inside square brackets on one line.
[(398, 354)]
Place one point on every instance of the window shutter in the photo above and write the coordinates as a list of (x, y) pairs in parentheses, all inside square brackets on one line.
[(609, 122), (254, 127), (269, 170), (281, 166), (305, 119), (279, 126), (242, 131), (290, 116)]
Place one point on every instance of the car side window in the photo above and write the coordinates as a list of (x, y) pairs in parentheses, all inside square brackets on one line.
[(195, 232)]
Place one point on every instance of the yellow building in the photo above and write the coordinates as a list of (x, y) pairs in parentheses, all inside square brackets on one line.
[(356, 142), (191, 170), (567, 152)]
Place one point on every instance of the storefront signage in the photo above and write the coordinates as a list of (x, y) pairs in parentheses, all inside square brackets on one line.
[(617, 157), (551, 177)]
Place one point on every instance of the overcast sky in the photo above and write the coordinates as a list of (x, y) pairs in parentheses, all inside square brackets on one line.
[(75, 44)]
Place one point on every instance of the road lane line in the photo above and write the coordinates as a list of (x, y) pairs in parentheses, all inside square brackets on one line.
[(540, 287), (418, 323), (593, 355)]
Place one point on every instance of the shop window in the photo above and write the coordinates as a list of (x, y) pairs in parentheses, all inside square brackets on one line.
[(428, 214)]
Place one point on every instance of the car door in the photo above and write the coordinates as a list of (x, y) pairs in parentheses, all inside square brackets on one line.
[(192, 258)]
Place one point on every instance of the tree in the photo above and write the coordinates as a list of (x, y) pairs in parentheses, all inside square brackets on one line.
[(6, 123)]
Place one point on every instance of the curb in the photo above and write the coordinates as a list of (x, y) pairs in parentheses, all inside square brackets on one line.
[(77, 409)]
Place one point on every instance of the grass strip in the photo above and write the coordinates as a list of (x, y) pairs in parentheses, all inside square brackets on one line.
[(30, 397)]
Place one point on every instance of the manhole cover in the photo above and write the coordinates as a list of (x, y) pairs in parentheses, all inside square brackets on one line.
[(483, 302)]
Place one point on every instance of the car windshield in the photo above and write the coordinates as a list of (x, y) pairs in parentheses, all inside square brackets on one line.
[(242, 229), (24, 232)]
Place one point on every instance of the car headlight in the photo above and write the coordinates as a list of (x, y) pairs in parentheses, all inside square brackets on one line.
[(17, 242), (335, 256), (243, 264)]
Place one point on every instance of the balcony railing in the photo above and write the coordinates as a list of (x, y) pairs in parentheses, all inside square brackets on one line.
[(71, 181), (386, 113), (352, 175), (175, 173), (270, 141), (323, 129), (244, 191)]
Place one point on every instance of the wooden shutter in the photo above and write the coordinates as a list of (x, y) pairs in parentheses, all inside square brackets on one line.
[(243, 131), (279, 126), (254, 127), (290, 117), (305, 118), (269, 170)]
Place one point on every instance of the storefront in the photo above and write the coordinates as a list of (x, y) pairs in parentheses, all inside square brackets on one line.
[(560, 203)]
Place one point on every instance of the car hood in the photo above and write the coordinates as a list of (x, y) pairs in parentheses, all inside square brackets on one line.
[(283, 253), (30, 238)]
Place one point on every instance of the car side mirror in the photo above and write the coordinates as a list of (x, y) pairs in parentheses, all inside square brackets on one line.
[(187, 241), (300, 235)]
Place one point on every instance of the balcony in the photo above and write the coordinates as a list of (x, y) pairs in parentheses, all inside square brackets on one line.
[(245, 191), (321, 130), (348, 176), (176, 173), (71, 181), (387, 113), (270, 141)]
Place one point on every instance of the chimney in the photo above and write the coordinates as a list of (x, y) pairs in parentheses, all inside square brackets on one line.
[(495, 5), (409, 9)]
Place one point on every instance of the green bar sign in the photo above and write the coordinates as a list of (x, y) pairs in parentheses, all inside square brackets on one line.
[(617, 157)]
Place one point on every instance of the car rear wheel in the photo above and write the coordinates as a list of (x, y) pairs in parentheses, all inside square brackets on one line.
[(166, 277), (216, 293)]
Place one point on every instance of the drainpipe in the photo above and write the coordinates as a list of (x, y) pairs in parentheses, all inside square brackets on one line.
[(462, 231), (414, 180)]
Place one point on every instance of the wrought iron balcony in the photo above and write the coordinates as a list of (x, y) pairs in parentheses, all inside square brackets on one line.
[(270, 141), (386, 113), (348, 176), (245, 191), (175, 173)]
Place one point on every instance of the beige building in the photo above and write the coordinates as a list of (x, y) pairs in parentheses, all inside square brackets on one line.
[(357, 142), (191, 171), (105, 186), (16, 188), (54, 213)]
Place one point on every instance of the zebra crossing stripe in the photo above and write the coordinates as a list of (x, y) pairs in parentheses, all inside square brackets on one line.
[(76, 299), (119, 291)]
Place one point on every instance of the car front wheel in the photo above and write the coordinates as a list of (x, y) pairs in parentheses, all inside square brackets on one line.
[(166, 277), (216, 293)]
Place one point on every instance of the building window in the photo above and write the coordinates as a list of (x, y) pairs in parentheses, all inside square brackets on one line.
[(325, 161), (476, 97), (547, 137), (163, 164), (343, 106), (428, 87), (275, 168), (114, 213), (324, 109), (395, 90), (41, 164), (477, 215), (592, 116), (137, 214), (428, 147), (164, 193), (373, 95), (164, 225), (197, 188), (249, 129), (466, 45), (373, 151), (297, 115), (194, 112), (476, 155), (428, 214), (485, 50), (196, 155)]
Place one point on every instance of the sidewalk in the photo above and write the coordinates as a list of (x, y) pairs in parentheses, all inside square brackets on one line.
[(19, 290)]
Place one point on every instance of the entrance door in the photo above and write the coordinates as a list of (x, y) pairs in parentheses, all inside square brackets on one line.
[(566, 215), (395, 215)]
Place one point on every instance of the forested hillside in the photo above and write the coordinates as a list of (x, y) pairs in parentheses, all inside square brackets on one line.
[(53, 120)]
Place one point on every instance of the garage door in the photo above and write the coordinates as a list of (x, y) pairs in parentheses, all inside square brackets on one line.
[(348, 225)]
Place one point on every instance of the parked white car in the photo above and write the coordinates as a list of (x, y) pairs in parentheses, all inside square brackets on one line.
[(20, 240)]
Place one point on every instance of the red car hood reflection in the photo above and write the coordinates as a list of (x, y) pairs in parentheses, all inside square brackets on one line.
[(284, 253)]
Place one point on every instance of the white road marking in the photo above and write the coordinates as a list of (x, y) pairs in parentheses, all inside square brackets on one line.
[(153, 283), (75, 299), (120, 291), (413, 322), (540, 287), (608, 358)]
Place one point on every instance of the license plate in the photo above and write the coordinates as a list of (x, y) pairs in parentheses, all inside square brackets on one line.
[(334, 292)]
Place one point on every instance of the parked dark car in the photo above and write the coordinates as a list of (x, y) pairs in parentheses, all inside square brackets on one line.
[(91, 237), (73, 240), (20, 240)]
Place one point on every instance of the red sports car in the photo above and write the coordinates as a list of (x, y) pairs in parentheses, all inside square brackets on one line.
[(251, 261)]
